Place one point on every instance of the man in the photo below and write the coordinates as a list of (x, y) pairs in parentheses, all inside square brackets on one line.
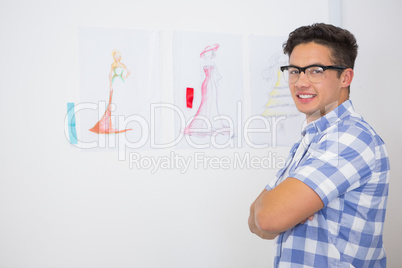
[(326, 207)]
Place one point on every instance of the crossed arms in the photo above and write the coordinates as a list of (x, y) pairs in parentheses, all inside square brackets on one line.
[(275, 211)]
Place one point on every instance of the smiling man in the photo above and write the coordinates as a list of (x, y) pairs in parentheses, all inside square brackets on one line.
[(326, 207)]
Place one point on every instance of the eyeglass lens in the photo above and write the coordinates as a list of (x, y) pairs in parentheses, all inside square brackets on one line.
[(314, 74)]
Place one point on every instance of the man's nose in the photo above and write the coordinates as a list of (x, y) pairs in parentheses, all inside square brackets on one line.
[(302, 81)]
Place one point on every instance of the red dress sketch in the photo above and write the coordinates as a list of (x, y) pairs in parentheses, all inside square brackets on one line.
[(116, 77), (207, 115)]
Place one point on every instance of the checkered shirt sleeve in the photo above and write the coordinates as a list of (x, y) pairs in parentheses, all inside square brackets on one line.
[(346, 163), (338, 161), (347, 166)]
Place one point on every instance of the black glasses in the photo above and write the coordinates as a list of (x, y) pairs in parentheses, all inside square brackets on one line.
[(314, 73)]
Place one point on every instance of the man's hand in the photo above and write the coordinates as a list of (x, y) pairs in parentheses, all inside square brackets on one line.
[(309, 218)]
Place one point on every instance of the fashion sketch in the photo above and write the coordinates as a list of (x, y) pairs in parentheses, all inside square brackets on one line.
[(207, 115), (280, 100), (117, 76)]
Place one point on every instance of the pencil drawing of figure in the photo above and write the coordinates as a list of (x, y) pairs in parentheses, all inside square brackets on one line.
[(206, 120), (280, 102)]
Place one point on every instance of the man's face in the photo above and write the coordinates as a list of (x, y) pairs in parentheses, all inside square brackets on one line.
[(316, 100)]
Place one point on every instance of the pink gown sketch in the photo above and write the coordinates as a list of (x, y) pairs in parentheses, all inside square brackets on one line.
[(117, 79), (208, 112)]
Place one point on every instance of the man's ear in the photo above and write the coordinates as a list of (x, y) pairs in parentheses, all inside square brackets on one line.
[(347, 77)]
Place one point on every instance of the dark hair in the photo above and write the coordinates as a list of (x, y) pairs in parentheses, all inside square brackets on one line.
[(341, 42)]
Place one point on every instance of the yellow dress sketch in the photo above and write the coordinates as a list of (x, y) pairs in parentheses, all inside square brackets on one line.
[(280, 102)]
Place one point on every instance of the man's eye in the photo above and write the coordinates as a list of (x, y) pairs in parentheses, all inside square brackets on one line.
[(293, 71), (317, 70)]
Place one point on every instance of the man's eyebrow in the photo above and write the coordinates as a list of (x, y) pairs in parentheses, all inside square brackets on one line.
[(307, 65)]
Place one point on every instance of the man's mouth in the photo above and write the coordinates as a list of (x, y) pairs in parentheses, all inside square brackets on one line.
[(305, 96)]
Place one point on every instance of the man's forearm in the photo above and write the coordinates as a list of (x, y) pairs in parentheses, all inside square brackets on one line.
[(254, 228), (262, 234)]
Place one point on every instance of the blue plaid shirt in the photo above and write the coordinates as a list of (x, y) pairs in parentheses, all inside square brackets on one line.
[(346, 163)]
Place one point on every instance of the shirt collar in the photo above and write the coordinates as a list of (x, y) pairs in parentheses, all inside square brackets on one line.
[(324, 122)]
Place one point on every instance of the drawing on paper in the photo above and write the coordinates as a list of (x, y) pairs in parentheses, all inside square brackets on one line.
[(206, 121), (280, 102), (272, 102), (208, 87), (117, 76)]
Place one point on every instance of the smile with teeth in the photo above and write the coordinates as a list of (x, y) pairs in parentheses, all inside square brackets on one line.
[(305, 96)]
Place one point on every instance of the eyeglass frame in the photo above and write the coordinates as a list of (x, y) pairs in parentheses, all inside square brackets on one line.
[(303, 69)]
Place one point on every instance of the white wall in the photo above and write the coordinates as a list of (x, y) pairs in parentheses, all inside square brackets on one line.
[(62, 207)]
